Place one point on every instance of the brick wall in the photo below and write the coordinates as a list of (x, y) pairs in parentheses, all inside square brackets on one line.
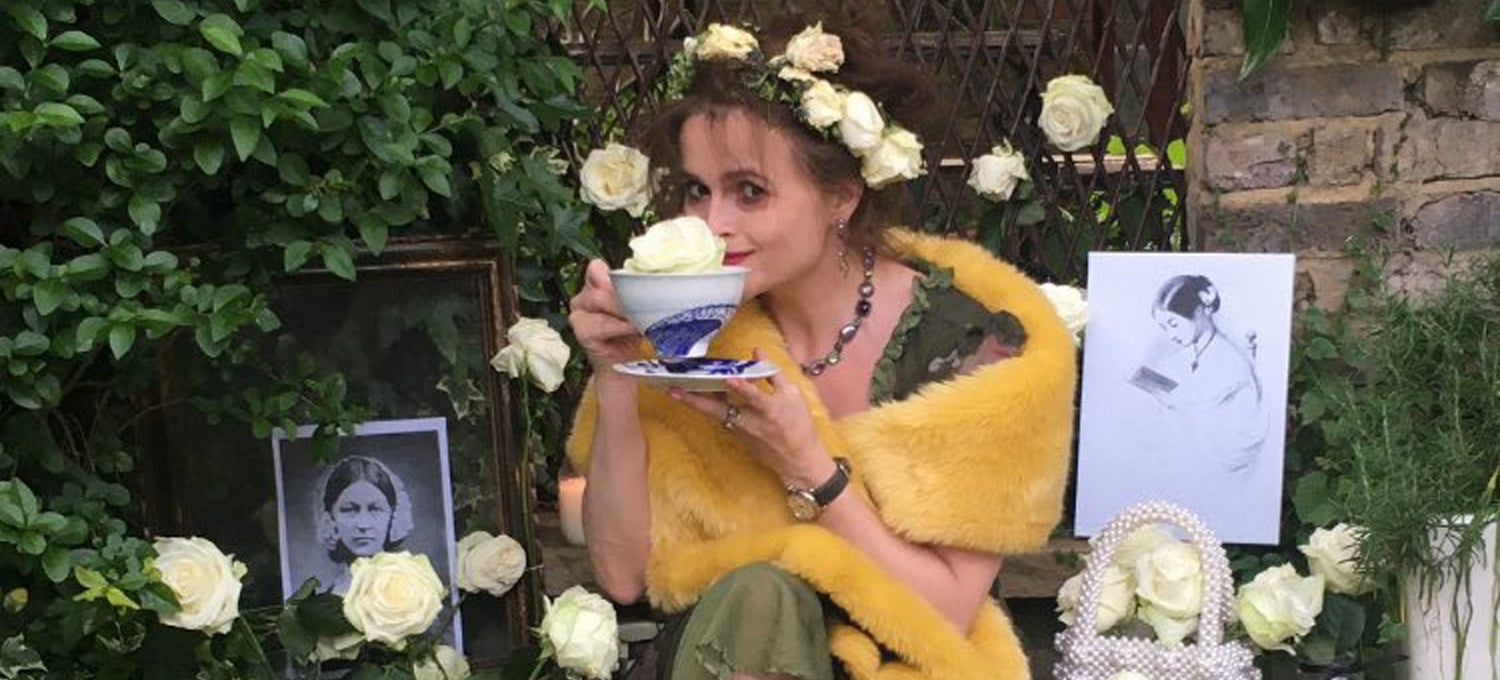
[(1382, 124)]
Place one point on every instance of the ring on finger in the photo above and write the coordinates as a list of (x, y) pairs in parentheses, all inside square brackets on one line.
[(731, 418)]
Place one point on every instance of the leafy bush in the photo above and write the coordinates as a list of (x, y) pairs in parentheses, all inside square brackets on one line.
[(163, 161)]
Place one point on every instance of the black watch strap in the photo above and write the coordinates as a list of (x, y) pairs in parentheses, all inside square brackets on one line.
[(829, 490)]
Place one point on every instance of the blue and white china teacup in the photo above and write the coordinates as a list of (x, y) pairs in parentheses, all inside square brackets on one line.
[(679, 313)]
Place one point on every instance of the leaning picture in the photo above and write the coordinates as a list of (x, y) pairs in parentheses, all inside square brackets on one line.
[(385, 490), (1185, 369)]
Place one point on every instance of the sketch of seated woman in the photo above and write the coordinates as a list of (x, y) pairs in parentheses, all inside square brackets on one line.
[(1202, 377)]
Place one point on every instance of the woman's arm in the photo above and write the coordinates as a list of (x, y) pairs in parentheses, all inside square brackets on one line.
[(954, 580), (616, 510)]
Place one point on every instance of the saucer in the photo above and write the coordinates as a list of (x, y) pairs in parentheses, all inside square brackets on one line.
[(701, 374)]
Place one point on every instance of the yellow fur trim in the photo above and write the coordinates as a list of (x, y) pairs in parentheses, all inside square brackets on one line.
[(978, 461)]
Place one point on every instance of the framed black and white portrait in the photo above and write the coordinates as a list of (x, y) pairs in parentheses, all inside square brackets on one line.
[(387, 490), (1185, 370)]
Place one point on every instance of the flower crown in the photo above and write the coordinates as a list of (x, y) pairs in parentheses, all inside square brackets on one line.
[(888, 152)]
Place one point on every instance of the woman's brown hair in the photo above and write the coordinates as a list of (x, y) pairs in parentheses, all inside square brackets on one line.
[(903, 90)]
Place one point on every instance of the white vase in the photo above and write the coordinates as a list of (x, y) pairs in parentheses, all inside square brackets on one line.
[(1456, 610)]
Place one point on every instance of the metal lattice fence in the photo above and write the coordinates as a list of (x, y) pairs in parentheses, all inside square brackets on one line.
[(991, 59)]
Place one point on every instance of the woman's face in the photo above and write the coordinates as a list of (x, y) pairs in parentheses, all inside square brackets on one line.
[(743, 178), (1179, 329), (362, 517)]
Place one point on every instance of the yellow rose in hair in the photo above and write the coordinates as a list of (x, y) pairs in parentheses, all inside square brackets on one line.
[(815, 51), (822, 105), (725, 42)]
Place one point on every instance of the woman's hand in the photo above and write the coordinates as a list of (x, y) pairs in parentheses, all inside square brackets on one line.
[(777, 424), (594, 314)]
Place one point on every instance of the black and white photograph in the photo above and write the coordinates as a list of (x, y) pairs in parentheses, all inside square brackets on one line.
[(386, 490), (1185, 369)]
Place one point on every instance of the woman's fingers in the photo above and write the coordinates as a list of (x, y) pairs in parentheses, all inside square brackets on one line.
[(711, 405)]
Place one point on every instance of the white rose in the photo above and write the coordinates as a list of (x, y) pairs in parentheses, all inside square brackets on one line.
[(1170, 579), (533, 349), (344, 647), (1116, 600), (205, 581), (815, 51), (680, 245), (579, 630), (862, 128), (1331, 554), (1139, 543), (1071, 305), (1129, 675), (448, 665), (721, 41), (997, 174), (392, 596), (1279, 605), (822, 104), (490, 564), (1169, 629), (794, 74), (898, 157), (1073, 112), (617, 177)]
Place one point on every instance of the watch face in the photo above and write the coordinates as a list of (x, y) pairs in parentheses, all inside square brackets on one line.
[(804, 508)]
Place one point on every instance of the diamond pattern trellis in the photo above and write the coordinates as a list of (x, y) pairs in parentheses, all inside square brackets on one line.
[(991, 58)]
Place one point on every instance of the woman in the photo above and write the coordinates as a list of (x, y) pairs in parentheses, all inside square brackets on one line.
[(364, 510), (858, 504), (1203, 379)]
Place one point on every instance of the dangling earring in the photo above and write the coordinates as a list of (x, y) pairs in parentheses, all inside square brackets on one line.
[(843, 233)]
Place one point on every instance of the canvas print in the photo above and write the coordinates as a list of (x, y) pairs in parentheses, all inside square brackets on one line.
[(1185, 371), (387, 490)]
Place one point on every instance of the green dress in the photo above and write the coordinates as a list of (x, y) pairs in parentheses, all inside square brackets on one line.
[(762, 620)]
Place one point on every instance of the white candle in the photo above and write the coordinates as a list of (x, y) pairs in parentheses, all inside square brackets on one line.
[(570, 507)]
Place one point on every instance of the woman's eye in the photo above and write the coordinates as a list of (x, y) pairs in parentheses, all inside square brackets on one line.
[(695, 191), (750, 191)]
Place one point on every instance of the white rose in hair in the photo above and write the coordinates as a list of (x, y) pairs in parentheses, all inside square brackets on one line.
[(1278, 606), (997, 173), (725, 42), (1170, 579), (1116, 598), (205, 581), (533, 349), (1331, 554), (897, 157), (393, 596), (616, 177), (580, 631), (793, 73), (862, 126), (1169, 629), (1073, 112), (1072, 307), (447, 664), (822, 104), (490, 564), (815, 51)]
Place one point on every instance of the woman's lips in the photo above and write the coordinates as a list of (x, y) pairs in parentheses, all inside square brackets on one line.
[(731, 259)]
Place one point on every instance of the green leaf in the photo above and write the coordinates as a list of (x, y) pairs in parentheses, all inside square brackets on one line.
[(90, 579), (1311, 500), (85, 231), (337, 260), (174, 11), (1493, 13), (193, 109), (293, 170), (291, 47), (75, 41), (48, 522), (209, 154), (246, 134), (26, 499), (10, 513), (53, 78), (29, 343), (49, 295), (55, 564), (223, 33), (29, 19), (121, 338), (118, 598), (54, 113), (373, 232), (301, 98), (295, 255), (31, 543), (1321, 348), (88, 332), (145, 212), (1264, 29), (251, 74), (434, 173), (391, 182), (10, 79)]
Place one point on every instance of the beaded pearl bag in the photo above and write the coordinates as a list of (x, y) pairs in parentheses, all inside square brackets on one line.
[(1086, 655)]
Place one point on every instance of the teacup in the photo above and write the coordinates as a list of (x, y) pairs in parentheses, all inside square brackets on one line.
[(679, 313)]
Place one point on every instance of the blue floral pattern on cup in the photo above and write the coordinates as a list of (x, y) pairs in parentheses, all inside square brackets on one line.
[(696, 366), (680, 334)]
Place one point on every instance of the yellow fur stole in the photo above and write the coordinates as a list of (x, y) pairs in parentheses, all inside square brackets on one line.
[(978, 461)]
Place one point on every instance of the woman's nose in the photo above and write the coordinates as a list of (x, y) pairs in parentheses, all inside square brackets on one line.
[(719, 216)]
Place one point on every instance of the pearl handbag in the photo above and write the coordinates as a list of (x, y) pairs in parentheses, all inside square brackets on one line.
[(1086, 655)]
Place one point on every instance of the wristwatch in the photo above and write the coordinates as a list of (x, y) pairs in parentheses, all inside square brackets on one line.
[(807, 504)]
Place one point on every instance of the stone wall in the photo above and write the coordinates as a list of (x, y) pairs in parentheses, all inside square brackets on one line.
[(1368, 123)]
